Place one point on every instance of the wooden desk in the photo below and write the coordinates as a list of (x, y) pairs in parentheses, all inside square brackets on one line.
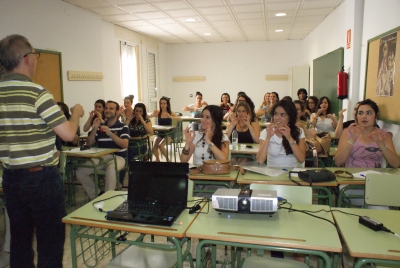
[(284, 231), (366, 245), (87, 223), (225, 180), (323, 188), (77, 158), (167, 132)]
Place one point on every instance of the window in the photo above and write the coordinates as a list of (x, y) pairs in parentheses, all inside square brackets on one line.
[(129, 70)]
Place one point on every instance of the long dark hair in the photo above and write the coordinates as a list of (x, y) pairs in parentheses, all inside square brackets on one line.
[(168, 105), (103, 103), (65, 109), (216, 116), (299, 102), (290, 110), (315, 99), (329, 110), (248, 101), (134, 120)]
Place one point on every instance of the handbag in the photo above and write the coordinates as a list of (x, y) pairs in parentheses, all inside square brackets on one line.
[(321, 142), (313, 175), (213, 167)]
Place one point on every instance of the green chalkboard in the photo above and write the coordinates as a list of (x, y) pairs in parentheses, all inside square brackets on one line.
[(325, 70)]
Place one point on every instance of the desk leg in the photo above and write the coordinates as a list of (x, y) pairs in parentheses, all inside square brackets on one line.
[(73, 246), (361, 262)]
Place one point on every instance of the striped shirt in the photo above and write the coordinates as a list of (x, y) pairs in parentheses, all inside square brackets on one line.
[(28, 113), (104, 141)]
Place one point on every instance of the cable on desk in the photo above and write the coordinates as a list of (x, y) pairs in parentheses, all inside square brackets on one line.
[(197, 206), (100, 209)]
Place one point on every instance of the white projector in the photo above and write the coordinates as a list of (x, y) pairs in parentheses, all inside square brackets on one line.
[(245, 201)]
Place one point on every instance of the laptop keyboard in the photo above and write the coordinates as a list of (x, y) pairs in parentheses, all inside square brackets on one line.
[(147, 209)]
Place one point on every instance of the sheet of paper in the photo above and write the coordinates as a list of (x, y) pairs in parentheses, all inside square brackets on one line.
[(363, 174), (264, 170)]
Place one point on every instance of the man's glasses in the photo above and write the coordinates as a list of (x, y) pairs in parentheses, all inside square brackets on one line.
[(37, 54), (344, 174)]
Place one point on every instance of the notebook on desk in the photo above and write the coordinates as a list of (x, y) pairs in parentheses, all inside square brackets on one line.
[(157, 193)]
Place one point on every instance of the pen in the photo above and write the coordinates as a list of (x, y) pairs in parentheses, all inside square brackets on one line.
[(178, 223), (284, 169), (362, 175)]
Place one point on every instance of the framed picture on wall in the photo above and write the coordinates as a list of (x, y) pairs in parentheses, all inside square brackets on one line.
[(382, 83)]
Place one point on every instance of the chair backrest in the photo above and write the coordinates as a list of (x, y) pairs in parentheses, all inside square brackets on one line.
[(293, 194), (382, 190)]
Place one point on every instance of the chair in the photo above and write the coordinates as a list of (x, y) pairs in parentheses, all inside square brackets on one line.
[(293, 194), (139, 143), (382, 190)]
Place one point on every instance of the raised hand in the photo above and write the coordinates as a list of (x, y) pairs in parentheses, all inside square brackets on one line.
[(378, 136), (189, 135), (285, 130), (234, 119), (78, 109), (355, 131), (341, 113), (271, 130)]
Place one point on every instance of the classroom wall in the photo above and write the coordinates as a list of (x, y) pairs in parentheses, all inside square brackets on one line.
[(375, 18), (230, 67)]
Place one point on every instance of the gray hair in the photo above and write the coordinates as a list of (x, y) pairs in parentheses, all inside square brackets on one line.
[(12, 49)]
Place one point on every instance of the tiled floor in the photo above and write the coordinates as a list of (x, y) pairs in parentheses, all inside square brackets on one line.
[(104, 257)]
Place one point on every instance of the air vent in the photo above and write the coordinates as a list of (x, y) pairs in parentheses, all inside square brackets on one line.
[(261, 205), (227, 203)]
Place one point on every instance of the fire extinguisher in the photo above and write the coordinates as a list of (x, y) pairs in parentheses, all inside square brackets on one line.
[(342, 77)]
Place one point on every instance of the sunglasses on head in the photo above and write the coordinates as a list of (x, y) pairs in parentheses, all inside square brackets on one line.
[(343, 174)]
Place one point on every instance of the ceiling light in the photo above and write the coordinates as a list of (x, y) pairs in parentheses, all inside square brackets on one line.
[(279, 30), (190, 20), (207, 33), (280, 14)]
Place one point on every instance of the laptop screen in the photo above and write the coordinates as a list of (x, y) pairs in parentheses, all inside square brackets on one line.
[(158, 182)]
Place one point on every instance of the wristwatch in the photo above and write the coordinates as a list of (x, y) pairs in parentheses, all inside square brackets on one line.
[(210, 146)]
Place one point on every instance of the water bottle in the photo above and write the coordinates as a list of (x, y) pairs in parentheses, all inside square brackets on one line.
[(234, 140)]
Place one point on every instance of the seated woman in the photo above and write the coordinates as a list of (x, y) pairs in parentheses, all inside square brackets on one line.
[(263, 107), (282, 143), (98, 112), (139, 126), (211, 144), (242, 97), (364, 145), (245, 124), (311, 107), (197, 106), (340, 126), (324, 120), (65, 109), (164, 117), (225, 103), (307, 128), (126, 110)]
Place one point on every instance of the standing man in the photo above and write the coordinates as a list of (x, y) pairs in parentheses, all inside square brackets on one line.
[(32, 185), (111, 134)]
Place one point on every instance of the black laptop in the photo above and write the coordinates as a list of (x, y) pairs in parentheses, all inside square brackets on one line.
[(157, 193)]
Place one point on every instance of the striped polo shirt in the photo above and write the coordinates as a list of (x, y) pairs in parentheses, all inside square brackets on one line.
[(28, 113), (104, 141)]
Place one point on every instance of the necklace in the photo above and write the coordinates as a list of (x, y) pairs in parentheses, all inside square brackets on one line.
[(211, 155), (240, 127)]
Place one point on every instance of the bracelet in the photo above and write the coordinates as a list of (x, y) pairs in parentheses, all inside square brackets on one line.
[(351, 142), (293, 142), (384, 148), (184, 151)]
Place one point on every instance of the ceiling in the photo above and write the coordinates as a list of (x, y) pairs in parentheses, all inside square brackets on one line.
[(224, 20)]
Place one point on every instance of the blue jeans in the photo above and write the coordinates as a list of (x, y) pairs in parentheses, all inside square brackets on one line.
[(35, 200)]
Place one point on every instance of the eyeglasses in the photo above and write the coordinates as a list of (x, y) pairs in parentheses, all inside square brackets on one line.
[(37, 54), (343, 174)]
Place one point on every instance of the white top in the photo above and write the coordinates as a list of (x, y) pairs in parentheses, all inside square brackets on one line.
[(199, 150), (324, 125), (276, 153), (192, 106)]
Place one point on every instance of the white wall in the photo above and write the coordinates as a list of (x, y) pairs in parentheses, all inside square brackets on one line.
[(231, 67), (86, 43)]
